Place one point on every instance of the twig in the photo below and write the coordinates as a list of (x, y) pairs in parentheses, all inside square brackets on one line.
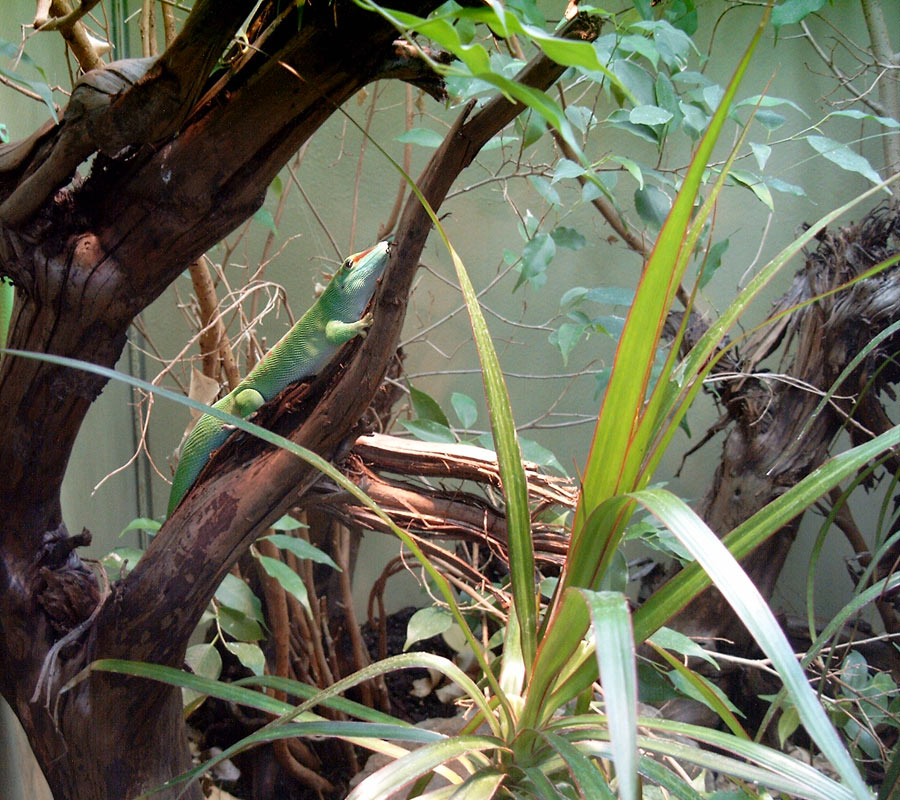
[(21, 89), (277, 615), (315, 213), (44, 22), (214, 344), (74, 33), (341, 538), (149, 43), (354, 207), (888, 94), (842, 76), (391, 221)]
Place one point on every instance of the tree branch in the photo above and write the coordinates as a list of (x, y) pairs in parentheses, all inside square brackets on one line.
[(222, 515)]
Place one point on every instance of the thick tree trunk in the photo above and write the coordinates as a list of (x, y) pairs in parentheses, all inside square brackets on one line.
[(85, 262)]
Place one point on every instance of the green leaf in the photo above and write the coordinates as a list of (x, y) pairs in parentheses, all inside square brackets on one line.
[(465, 408), (40, 88), (264, 217), (568, 237), (276, 186), (783, 186), (536, 257), (770, 120), (611, 295), (565, 337), (638, 82), (696, 686), (667, 98), (677, 786), (497, 142), (202, 685), (560, 650), (855, 671), (482, 785), (239, 626), (301, 548), (677, 642), (712, 96), (237, 595), (843, 156), (426, 407), (643, 8), (695, 119), (565, 168), (761, 153), (204, 660), (534, 129), (637, 43), (754, 184), (788, 722), (649, 115), (620, 119), (528, 228), (652, 205), (287, 523), (793, 11), (674, 45), (855, 113), (683, 15), (249, 655), (151, 526), (581, 117), (545, 189), (425, 623), (429, 431), (713, 261), (572, 297), (633, 168), (290, 581), (769, 101), (7, 291), (532, 451), (424, 137), (509, 457)]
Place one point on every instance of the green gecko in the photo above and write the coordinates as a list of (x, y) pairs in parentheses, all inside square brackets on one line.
[(335, 318)]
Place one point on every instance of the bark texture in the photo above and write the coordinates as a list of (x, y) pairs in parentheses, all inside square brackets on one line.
[(173, 173)]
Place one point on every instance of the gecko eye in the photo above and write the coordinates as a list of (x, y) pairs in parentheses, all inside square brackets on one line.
[(348, 264)]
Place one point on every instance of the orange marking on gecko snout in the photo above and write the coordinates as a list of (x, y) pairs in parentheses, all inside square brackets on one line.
[(363, 254)]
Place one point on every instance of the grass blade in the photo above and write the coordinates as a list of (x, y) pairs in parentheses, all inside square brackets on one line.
[(734, 584), (614, 648), (667, 601)]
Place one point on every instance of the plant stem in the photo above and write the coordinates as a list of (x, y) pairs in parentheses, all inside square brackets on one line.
[(888, 92)]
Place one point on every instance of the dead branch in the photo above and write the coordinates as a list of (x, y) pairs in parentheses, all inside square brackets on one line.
[(775, 438)]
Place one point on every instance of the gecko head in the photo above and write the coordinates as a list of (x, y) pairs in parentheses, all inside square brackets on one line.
[(359, 273)]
